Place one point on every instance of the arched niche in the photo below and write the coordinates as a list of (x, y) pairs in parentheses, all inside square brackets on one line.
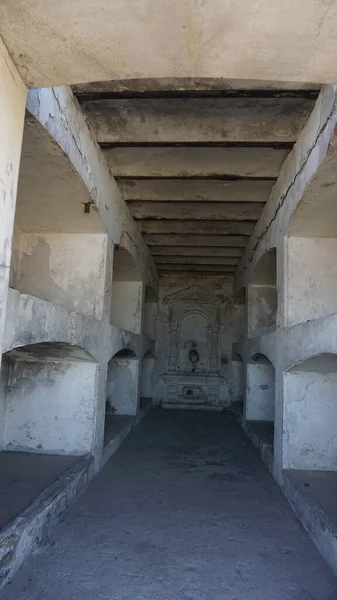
[(48, 399), (194, 333), (312, 248), (262, 293), (260, 389), (59, 241), (126, 292), (310, 414), (123, 384)]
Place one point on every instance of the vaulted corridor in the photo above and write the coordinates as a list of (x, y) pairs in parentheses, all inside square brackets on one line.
[(185, 510)]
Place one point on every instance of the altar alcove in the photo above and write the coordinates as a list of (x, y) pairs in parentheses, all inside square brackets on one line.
[(193, 368)]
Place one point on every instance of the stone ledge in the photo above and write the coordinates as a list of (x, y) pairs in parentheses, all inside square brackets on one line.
[(261, 445), (315, 518), (31, 527), (122, 432)]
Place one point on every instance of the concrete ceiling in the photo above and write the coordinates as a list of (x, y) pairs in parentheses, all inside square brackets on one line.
[(196, 160), (55, 43)]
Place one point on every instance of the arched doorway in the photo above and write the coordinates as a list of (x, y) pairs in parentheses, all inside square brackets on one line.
[(123, 384)]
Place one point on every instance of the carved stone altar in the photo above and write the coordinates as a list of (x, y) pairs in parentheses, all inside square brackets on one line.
[(193, 321)]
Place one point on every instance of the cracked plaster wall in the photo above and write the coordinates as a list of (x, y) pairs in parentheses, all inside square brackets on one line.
[(310, 415), (312, 279), (63, 290), (285, 345), (260, 398), (126, 305), (50, 406), (64, 269), (12, 111)]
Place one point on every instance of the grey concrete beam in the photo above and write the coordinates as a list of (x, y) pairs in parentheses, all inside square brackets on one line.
[(194, 161), (168, 251), (198, 120), (154, 240), (191, 190), (196, 260), (197, 268), (197, 227), (237, 211)]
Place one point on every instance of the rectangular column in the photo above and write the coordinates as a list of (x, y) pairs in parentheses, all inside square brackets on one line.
[(12, 114)]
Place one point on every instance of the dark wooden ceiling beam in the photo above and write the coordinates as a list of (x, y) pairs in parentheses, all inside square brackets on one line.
[(208, 240), (198, 119), (275, 145), (194, 161), (88, 96), (221, 176), (210, 211), (173, 84), (197, 260), (197, 268), (191, 87), (192, 190), (168, 251), (197, 227)]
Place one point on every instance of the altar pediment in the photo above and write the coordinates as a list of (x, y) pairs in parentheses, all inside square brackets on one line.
[(193, 293)]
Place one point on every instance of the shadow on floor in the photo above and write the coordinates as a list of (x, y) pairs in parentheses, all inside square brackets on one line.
[(23, 476), (184, 510)]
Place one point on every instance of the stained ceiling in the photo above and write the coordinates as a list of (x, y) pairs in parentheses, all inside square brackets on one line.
[(196, 159)]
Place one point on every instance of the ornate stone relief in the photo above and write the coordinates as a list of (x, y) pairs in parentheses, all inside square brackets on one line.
[(193, 318)]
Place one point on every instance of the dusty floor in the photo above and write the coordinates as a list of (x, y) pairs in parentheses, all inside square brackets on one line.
[(184, 511), (24, 476)]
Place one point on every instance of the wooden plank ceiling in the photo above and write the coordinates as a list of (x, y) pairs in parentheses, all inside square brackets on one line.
[(196, 159)]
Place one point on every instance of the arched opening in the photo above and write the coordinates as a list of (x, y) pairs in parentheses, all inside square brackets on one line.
[(260, 396), (48, 399), (122, 385), (194, 330), (312, 247), (59, 241), (310, 414), (48, 408), (262, 294), (126, 292)]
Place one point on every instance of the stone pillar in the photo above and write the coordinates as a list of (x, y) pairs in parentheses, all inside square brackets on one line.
[(12, 113)]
